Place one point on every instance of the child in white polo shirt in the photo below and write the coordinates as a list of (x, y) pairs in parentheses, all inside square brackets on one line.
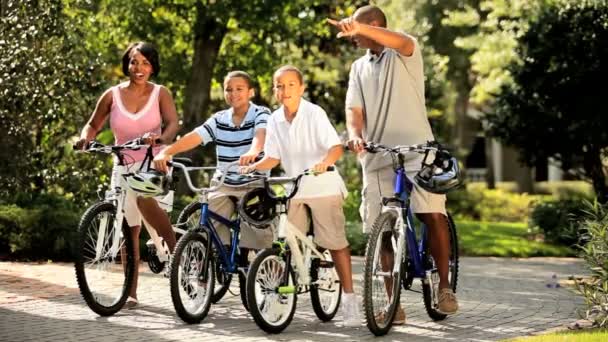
[(300, 136)]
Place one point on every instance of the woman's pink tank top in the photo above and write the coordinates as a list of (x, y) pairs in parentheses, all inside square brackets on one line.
[(128, 126)]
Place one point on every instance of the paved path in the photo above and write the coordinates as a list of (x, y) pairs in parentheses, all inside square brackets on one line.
[(499, 298)]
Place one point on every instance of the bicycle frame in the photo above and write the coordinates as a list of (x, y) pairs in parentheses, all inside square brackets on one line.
[(227, 258), (291, 235), (117, 197), (407, 234)]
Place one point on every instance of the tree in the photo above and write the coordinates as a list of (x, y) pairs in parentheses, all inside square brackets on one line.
[(555, 106), (46, 82)]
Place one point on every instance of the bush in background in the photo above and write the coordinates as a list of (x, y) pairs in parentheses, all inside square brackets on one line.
[(595, 252), (557, 217), (557, 220), (40, 228), (475, 202)]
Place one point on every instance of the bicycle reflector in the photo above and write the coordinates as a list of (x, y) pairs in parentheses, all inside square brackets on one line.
[(440, 176), (257, 208), (148, 183)]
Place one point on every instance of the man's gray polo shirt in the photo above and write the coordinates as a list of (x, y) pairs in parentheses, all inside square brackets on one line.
[(390, 89)]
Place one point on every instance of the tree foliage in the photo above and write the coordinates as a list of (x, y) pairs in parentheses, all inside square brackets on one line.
[(48, 80), (555, 106)]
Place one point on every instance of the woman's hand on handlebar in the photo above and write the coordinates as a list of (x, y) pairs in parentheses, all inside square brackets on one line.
[(151, 139), (81, 144)]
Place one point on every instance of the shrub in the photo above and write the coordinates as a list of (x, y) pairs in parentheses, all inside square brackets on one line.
[(478, 203), (43, 228), (595, 252), (557, 218)]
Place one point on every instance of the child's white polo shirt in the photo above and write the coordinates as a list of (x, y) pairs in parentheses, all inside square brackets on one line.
[(302, 144)]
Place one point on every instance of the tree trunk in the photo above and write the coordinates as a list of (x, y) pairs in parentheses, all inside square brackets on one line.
[(592, 162), (524, 180), (490, 176), (461, 108), (209, 34)]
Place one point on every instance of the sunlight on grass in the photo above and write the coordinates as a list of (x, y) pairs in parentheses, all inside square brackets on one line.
[(503, 240)]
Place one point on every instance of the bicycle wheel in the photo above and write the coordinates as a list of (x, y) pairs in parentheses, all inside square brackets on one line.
[(430, 289), (104, 274), (325, 289), (381, 284), (189, 218), (272, 311), (190, 295)]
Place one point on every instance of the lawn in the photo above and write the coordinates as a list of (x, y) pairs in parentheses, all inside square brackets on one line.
[(483, 239), (504, 240), (567, 336)]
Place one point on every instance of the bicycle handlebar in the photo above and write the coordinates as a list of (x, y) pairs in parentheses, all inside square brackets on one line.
[(268, 181), (186, 170), (418, 148)]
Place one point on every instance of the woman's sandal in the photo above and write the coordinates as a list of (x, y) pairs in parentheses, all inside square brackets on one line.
[(131, 303)]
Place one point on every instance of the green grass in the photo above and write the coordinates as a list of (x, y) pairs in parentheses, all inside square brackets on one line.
[(504, 240), (482, 239), (567, 336)]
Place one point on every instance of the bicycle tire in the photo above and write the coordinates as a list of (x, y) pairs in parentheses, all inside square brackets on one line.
[(428, 290), (383, 228), (256, 297), (190, 216), (324, 312), (185, 283), (103, 213)]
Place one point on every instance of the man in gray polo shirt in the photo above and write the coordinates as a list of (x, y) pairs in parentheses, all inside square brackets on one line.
[(385, 104)]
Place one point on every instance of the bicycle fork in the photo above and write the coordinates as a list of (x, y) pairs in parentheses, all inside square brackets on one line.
[(398, 247)]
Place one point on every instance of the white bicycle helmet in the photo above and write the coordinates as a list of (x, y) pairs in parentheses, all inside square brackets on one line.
[(148, 183)]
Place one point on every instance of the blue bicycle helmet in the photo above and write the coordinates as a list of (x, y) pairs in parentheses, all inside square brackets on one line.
[(440, 176)]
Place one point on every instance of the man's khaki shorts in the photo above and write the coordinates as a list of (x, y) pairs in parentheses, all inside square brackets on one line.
[(380, 183), (221, 204), (327, 218)]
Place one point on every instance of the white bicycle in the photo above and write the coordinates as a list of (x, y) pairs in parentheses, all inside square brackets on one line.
[(104, 253), (273, 283)]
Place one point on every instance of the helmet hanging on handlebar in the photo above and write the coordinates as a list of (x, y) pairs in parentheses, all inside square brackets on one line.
[(148, 183), (440, 176), (257, 208)]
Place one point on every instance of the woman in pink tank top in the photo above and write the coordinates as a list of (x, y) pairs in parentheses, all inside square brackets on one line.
[(137, 108)]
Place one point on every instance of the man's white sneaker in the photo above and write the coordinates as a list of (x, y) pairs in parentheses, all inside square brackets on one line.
[(350, 310)]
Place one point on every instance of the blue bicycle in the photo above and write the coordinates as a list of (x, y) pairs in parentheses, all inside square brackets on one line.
[(396, 253), (201, 260)]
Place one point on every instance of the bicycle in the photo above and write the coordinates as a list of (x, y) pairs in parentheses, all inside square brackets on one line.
[(272, 283), (104, 255), (393, 240), (201, 260)]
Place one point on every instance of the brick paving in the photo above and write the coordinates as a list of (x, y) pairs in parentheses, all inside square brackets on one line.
[(499, 299)]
